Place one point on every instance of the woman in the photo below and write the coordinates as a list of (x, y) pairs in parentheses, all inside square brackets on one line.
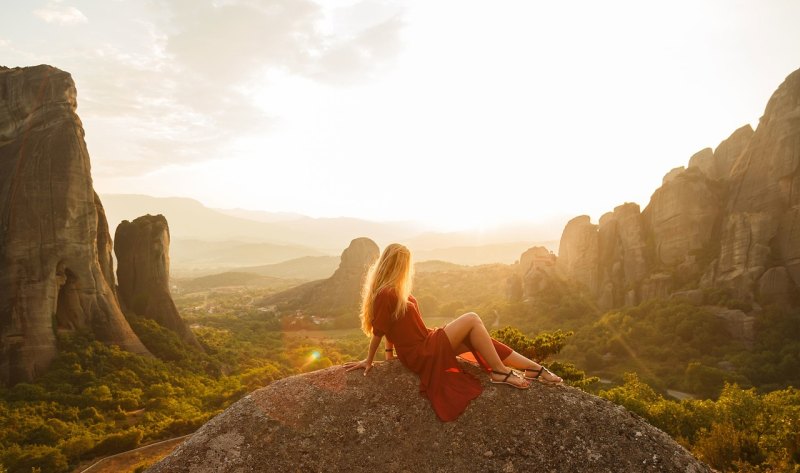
[(389, 310)]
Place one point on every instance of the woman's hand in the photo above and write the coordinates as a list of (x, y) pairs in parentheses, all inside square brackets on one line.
[(363, 364)]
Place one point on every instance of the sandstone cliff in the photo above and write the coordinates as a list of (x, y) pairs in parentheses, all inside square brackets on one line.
[(337, 295), (330, 420), (142, 249), (729, 222), (55, 248)]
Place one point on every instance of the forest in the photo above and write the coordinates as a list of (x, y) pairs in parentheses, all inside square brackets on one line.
[(741, 412)]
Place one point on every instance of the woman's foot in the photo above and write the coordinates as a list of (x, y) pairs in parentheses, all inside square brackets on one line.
[(543, 375), (510, 377)]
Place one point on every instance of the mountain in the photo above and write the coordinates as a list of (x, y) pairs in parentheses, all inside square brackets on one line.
[(261, 215), (231, 279), (331, 420), (337, 295), (307, 267), (193, 256), (205, 240), (191, 220), (55, 247), (506, 253), (723, 229)]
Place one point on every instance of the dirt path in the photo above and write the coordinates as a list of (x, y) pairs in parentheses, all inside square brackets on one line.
[(127, 461)]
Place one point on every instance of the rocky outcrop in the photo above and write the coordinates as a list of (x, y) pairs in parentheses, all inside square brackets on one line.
[(330, 420), (729, 221), (764, 198), (717, 164), (142, 249), (55, 254), (681, 216), (535, 269), (623, 255), (338, 295), (578, 253)]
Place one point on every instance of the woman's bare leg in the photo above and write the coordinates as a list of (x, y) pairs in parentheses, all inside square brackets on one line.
[(470, 327), (516, 360)]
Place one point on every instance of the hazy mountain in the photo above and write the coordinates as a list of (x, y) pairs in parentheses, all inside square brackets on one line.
[(261, 215), (198, 254), (206, 240), (307, 267), (232, 279), (506, 253), (191, 220)]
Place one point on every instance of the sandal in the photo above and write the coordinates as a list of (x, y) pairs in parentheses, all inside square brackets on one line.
[(505, 379), (538, 375)]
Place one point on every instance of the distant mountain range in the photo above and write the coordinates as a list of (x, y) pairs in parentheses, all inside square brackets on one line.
[(206, 240)]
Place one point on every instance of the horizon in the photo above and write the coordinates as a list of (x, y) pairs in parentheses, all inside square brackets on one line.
[(367, 110)]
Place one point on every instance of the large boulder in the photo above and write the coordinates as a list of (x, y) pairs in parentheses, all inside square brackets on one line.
[(330, 420), (55, 251), (142, 249)]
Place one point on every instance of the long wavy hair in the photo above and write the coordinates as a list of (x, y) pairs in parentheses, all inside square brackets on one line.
[(393, 269)]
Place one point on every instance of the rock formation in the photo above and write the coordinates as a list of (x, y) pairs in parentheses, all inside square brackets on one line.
[(536, 267), (338, 295), (578, 253), (623, 255), (760, 229), (729, 221), (330, 420), (681, 216), (142, 249), (55, 249)]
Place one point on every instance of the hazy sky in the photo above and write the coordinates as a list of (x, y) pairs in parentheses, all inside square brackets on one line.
[(458, 113)]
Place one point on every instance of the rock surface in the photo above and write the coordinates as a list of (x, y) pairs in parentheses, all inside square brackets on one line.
[(536, 266), (330, 420), (682, 215), (578, 253), (730, 222), (623, 254), (341, 293), (54, 246), (142, 249), (763, 198)]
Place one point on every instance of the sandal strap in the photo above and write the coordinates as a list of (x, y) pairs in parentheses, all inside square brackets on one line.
[(508, 375), (538, 372)]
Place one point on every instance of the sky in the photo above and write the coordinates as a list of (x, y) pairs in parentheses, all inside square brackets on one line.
[(458, 114)]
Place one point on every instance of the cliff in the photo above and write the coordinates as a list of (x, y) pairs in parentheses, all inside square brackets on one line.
[(55, 248), (142, 249), (330, 420), (727, 223)]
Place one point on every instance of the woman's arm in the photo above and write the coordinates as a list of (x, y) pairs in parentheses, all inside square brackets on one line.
[(374, 343), (389, 350)]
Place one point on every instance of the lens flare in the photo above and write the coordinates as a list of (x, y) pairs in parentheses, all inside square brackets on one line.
[(315, 355)]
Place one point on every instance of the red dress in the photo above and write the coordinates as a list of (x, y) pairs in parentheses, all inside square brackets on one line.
[(428, 353)]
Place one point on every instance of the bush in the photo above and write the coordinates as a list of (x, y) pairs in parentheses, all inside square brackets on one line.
[(119, 442), (34, 458)]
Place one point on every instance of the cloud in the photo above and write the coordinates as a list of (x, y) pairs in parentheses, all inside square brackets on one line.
[(173, 85), (54, 12), (235, 40)]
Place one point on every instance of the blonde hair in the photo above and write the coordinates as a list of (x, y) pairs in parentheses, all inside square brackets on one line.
[(393, 269)]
